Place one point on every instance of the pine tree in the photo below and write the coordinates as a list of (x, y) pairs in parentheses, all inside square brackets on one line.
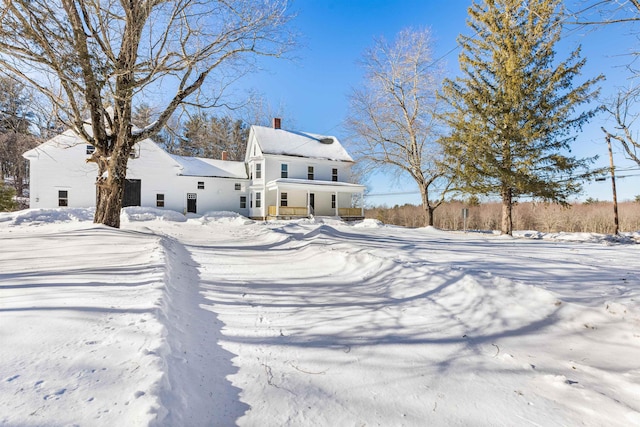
[(513, 112), (7, 203), (196, 136)]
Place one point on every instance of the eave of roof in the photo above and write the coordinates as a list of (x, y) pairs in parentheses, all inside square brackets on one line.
[(305, 184)]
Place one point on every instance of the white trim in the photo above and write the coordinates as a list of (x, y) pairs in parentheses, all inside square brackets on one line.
[(314, 185)]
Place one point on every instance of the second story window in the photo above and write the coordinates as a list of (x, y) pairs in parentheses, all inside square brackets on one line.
[(90, 149), (310, 173), (284, 170), (258, 170), (238, 186), (334, 174), (200, 185)]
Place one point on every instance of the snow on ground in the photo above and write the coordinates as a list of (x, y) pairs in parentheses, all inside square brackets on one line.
[(220, 320)]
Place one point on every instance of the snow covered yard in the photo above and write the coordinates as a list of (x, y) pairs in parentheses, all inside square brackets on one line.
[(218, 320)]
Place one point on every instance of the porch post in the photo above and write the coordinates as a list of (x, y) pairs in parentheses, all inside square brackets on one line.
[(362, 204), (308, 203), (277, 202)]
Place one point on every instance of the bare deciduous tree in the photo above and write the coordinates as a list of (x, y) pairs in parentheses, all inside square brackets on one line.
[(108, 53), (603, 12), (16, 136), (621, 109), (394, 115)]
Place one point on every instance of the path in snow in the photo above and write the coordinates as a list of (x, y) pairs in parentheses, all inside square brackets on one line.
[(196, 391)]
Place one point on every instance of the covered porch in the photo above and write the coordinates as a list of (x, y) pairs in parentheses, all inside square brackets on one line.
[(299, 198)]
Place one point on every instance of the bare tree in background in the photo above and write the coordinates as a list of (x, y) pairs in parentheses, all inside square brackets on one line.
[(108, 53), (393, 118), (16, 134), (259, 111), (625, 116), (622, 108), (603, 12)]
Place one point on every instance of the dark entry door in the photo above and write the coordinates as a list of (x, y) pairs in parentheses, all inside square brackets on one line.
[(132, 192), (191, 203), (312, 202)]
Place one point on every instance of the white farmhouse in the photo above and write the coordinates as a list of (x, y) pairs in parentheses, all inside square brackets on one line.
[(285, 174)]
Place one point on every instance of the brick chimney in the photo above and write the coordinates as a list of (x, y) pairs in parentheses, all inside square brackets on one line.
[(277, 122), (225, 155)]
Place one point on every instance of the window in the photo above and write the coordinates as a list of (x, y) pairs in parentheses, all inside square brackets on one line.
[(243, 202), (200, 185), (63, 198), (258, 170), (90, 149), (238, 186), (134, 154), (283, 199), (160, 200), (333, 201), (284, 170), (334, 174), (258, 200), (310, 173)]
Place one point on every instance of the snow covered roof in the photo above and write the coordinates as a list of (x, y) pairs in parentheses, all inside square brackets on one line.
[(65, 140), (300, 144), (198, 166)]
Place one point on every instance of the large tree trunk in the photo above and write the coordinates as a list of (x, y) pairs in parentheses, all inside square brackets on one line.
[(507, 208), (110, 188), (426, 205), (430, 220)]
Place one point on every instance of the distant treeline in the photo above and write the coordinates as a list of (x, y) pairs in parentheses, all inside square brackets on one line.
[(592, 217)]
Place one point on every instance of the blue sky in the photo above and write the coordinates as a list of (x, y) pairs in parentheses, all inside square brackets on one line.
[(313, 88)]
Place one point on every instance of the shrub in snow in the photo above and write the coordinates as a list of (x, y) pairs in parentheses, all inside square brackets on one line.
[(7, 202)]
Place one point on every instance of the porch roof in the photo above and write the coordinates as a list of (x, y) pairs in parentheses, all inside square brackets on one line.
[(314, 185)]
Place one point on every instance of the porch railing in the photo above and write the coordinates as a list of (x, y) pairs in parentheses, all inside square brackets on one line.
[(349, 212), (289, 211), (303, 212)]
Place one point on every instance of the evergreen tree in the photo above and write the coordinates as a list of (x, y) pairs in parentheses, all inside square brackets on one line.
[(7, 203), (228, 135), (196, 136), (513, 112), (208, 137)]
